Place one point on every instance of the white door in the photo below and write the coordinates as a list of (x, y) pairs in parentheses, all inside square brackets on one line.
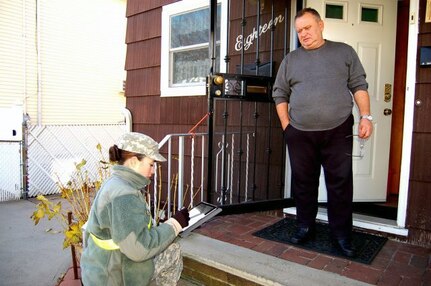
[(370, 28)]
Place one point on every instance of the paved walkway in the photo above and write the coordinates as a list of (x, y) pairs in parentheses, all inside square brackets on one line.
[(28, 254)]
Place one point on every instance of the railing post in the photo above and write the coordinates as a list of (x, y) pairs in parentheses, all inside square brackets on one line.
[(180, 171), (169, 175), (192, 166), (202, 167), (210, 140)]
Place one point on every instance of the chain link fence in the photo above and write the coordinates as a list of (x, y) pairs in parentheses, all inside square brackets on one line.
[(51, 156), (53, 152)]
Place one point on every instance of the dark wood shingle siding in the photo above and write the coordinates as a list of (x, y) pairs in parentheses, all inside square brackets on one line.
[(139, 6), (143, 54), (144, 26), (152, 114), (143, 82), (180, 110), (419, 211)]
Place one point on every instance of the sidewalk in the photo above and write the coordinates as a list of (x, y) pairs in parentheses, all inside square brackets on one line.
[(28, 254)]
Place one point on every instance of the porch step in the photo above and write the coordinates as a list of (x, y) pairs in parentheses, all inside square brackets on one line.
[(212, 262)]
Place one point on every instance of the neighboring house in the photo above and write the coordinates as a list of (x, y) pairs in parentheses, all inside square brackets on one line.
[(62, 66), (63, 61), (167, 62)]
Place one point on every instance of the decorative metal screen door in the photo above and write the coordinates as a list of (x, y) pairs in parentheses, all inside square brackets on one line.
[(246, 157)]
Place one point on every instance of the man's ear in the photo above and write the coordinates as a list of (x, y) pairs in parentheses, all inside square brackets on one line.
[(321, 25)]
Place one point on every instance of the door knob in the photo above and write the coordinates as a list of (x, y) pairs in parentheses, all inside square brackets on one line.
[(387, 111), (418, 102)]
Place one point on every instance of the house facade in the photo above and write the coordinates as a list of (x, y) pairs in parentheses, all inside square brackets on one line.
[(167, 64)]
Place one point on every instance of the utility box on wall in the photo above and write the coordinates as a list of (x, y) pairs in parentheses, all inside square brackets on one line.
[(11, 123), (11, 137)]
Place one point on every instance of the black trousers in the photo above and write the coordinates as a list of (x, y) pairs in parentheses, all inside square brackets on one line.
[(331, 149)]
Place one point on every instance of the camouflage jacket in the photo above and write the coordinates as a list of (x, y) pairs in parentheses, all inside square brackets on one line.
[(120, 212)]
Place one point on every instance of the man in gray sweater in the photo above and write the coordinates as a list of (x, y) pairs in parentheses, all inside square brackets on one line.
[(314, 92)]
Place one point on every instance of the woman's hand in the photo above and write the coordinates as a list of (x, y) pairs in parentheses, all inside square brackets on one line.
[(183, 217)]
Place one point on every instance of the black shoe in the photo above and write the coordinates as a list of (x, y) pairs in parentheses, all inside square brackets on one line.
[(345, 245), (302, 235)]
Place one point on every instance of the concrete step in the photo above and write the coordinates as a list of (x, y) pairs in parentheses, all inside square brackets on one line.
[(212, 262)]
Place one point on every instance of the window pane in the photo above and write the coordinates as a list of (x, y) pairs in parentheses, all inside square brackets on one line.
[(192, 66), (370, 15), (334, 11), (192, 28)]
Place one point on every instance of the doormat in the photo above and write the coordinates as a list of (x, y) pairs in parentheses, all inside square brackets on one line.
[(367, 245)]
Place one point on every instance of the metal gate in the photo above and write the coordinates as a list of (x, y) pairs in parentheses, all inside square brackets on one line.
[(10, 170), (246, 152), (11, 153)]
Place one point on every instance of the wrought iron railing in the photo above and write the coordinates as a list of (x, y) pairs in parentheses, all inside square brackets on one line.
[(177, 182), (182, 180)]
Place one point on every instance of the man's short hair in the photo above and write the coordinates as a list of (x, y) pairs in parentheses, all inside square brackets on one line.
[(310, 11)]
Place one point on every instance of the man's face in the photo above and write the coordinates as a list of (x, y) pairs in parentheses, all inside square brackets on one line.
[(309, 30)]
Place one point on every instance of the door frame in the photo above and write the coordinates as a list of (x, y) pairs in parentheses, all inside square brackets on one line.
[(408, 112)]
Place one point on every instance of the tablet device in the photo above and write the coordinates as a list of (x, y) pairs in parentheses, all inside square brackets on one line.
[(199, 214)]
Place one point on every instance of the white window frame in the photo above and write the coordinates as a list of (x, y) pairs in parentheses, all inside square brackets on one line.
[(177, 8)]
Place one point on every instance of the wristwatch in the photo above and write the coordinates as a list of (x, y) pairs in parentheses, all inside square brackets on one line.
[(367, 116)]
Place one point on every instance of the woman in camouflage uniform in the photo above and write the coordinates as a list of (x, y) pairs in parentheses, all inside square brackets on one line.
[(122, 245)]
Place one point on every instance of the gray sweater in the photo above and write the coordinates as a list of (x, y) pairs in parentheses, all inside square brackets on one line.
[(318, 85)]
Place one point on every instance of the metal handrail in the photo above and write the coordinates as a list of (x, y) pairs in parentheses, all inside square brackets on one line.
[(224, 171), (167, 140)]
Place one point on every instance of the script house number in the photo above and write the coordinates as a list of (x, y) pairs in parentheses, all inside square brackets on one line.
[(248, 41)]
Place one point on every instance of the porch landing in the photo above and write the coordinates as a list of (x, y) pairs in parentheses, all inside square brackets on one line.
[(397, 263), (249, 267)]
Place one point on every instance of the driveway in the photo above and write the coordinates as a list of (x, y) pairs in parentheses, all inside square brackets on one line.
[(29, 255)]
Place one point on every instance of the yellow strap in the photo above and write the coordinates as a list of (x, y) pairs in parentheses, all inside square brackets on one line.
[(108, 244)]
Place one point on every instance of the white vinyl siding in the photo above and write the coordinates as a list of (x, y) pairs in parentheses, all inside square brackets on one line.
[(17, 52), (81, 60)]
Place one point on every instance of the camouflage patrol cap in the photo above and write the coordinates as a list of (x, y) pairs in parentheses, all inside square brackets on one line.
[(142, 144)]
